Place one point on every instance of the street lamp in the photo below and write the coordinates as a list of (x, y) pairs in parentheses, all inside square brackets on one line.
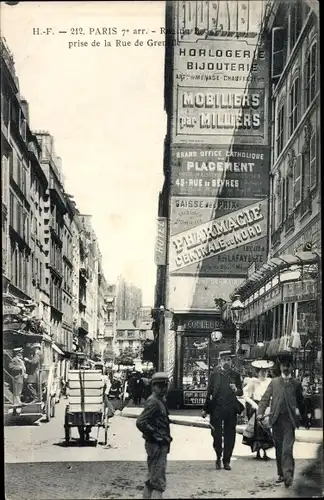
[(237, 310)]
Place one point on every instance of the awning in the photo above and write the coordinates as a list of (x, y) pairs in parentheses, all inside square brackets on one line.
[(57, 349), (273, 267)]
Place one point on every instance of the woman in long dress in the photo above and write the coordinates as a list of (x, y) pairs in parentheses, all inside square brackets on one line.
[(257, 435)]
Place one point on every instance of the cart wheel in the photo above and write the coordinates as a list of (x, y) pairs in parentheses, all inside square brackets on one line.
[(67, 429), (52, 408)]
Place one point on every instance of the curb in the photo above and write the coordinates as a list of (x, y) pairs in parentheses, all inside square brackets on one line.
[(239, 429)]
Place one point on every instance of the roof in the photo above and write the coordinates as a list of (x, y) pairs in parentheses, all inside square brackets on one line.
[(126, 324), (273, 266)]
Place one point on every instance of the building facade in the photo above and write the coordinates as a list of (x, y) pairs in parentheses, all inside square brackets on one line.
[(284, 298), (216, 168), (129, 300), (131, 337)]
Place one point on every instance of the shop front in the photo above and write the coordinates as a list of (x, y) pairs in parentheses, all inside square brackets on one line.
[(283, 314), (198, 343)]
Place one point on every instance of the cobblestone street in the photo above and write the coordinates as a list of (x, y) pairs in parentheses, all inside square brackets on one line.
[(39, 466)]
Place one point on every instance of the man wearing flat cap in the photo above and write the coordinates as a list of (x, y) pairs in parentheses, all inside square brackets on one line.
[(286, 395), (154, 424), (17, 368)]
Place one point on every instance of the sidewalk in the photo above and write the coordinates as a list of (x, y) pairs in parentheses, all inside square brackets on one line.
[(181, 418)]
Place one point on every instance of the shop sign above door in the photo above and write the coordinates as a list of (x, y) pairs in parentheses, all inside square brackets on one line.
[(201, 324)]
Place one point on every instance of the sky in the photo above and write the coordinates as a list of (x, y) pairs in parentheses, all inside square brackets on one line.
[(104, 107)]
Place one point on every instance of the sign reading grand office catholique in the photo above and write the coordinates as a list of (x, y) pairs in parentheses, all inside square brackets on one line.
[(222, 172), (217, 243)]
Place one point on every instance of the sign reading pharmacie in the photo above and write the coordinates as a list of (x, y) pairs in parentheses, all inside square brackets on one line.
[(226, 172), (225, 245)]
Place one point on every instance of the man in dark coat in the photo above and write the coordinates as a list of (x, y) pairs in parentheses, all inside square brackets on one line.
[(223, 407), (286, 395), (154, 423), (32, 368)]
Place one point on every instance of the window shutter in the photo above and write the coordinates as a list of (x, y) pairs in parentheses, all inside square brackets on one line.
[(297, 180), (277, 60), (313, 161), (279, 206)]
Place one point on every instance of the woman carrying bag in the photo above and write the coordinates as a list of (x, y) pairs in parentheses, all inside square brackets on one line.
[(257, 435)]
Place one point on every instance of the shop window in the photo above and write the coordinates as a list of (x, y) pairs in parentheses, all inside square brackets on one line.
[(297, 177), (311, 70), (280, 128), (195, 362), (294, 103)]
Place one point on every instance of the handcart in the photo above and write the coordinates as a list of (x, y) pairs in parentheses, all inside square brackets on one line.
[(86, 407)]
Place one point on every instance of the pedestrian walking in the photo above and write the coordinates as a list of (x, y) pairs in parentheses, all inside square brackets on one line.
[(17, 368), (154, 424), (223, 407), (257, 434), (286, 395), (109, 408)]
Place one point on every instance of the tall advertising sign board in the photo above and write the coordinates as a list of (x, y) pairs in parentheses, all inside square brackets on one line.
[(219, 144)]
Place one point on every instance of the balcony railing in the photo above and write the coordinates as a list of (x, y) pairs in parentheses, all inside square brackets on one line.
[(289, 223), (84, 325), (276, 236)]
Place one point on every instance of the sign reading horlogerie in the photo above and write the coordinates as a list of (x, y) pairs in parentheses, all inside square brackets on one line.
[(220, 73)]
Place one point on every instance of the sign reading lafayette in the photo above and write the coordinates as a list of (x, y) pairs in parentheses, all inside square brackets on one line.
[(239, 172), (237, 238)]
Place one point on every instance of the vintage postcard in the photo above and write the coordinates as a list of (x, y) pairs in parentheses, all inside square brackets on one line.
[(161, 249)]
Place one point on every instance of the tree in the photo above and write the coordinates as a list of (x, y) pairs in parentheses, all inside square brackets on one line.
[(126, 357), (108, 355)]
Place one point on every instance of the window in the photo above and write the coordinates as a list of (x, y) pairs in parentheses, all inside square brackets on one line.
[(296, 16), (312, 161), (288, 201), (297, 172), (4, 108), (310, 85), (279, 49), (280, 129), (294, 100), (279, 203)]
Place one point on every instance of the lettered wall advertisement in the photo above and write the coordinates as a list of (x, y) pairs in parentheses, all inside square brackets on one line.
[(220, 156), (220, 73)]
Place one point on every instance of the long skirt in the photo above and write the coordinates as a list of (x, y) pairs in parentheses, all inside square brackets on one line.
[(257, 435), (109, 406)]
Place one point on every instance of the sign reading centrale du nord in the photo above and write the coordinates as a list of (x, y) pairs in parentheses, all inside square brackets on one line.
[(222, 172), (226, 245)]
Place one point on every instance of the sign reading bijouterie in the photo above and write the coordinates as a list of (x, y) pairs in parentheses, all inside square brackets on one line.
[(236, 239), (220, 73), (238, 172)]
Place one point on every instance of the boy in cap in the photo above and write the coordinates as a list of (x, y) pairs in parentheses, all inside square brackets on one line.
[(286, 395), (155, 425)]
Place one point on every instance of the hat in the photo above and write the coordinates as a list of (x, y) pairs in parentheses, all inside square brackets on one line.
[(17, 349), (262, 363), (226, 354), (37, 344), (285, 357), (160, 377)]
